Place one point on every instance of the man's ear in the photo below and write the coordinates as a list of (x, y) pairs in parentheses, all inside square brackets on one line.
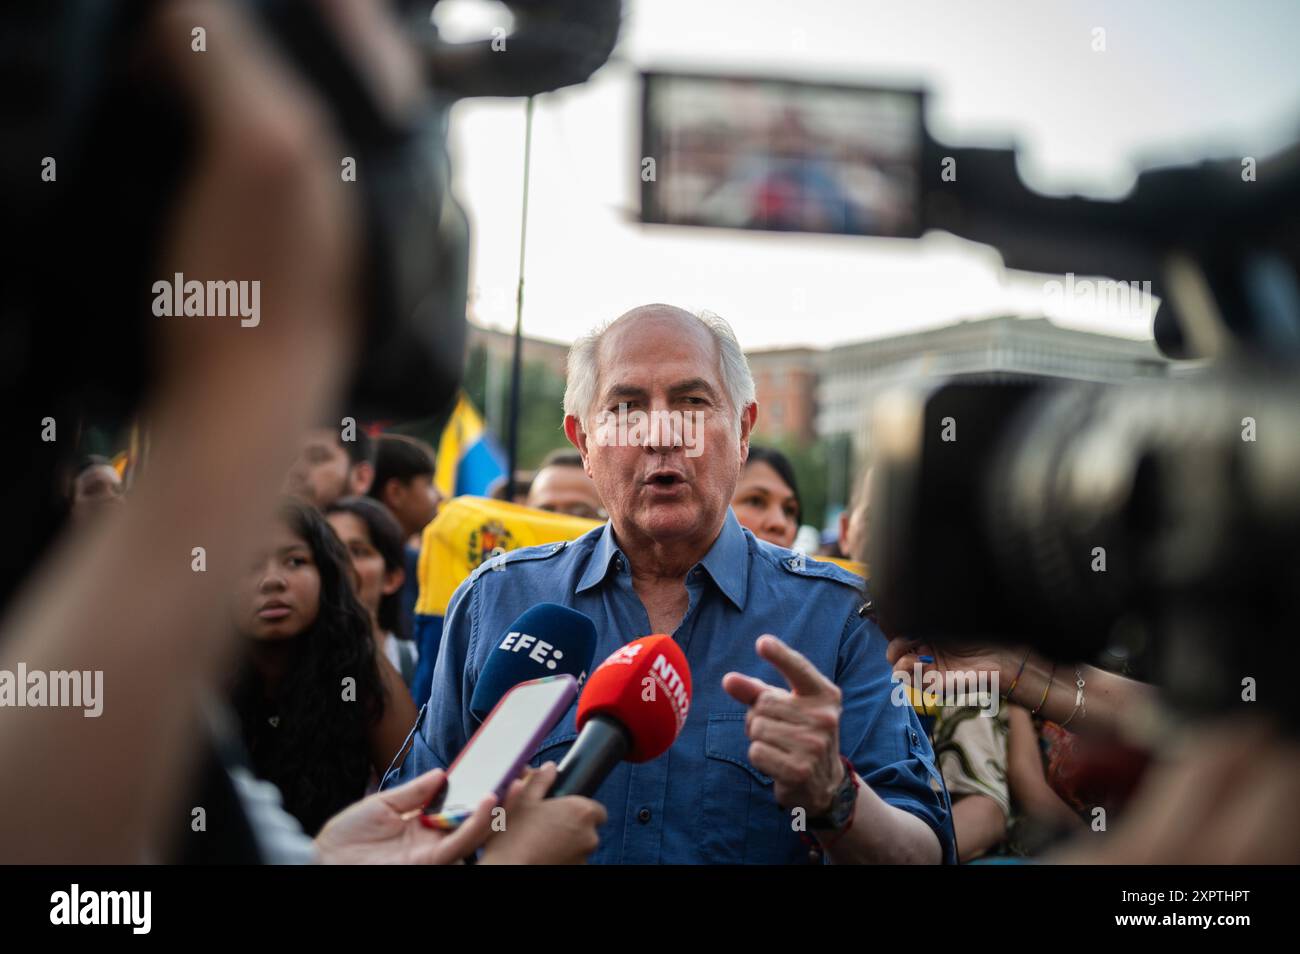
[(747, 419), (393, 580), (573, 430), (361, 477), (391, 494)]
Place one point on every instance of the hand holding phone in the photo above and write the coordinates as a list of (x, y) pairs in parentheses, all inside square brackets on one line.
[(498, 751)]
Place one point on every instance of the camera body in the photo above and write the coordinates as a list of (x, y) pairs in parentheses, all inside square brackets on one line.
[(124, 144), (129, 145), (1157, 520)]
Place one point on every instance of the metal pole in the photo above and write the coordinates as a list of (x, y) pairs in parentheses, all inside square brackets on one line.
[(516, 368)]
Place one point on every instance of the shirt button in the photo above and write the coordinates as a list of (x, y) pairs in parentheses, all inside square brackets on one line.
[(643, 816), (618, 563)]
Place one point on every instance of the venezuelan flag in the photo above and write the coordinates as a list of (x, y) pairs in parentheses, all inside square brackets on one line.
[(467, 531), (469, 460)]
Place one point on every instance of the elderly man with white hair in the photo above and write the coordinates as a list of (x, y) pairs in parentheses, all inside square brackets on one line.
[(793, 750)]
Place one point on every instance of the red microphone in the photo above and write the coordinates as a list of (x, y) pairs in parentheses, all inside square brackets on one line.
[(632, 708)]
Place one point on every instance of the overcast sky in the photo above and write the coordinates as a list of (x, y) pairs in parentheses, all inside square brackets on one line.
[(1177, 78)]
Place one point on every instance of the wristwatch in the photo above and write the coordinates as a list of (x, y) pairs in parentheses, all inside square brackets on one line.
[(839, 816)]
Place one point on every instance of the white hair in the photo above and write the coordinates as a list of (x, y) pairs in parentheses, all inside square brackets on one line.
[(582, 377)]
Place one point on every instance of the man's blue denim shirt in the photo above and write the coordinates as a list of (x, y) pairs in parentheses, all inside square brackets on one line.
[(701, 801)]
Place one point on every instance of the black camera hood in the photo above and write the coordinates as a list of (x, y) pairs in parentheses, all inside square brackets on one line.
[(1219, 247)]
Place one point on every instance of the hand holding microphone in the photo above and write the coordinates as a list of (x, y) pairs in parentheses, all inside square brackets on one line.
[(528, 682), (633, 708), (545, 831)]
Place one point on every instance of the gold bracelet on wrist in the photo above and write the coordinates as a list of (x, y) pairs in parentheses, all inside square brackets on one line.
[(1015, 681), (1078, 699), (1043, 700)]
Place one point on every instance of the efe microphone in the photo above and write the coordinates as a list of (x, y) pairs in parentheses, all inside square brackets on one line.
[(546, 640)]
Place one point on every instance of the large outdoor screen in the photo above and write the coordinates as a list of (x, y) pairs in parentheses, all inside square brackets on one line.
[(780, 155)]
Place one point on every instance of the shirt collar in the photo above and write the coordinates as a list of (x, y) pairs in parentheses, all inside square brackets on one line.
[(604, 553), (726, 563)]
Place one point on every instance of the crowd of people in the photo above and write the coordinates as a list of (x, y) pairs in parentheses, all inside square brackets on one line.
[(247, 599), (321, 693)]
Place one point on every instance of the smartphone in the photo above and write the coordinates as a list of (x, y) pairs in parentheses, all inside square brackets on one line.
[(503, 744)]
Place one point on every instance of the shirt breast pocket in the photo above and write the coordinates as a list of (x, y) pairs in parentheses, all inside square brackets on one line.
[(739, 819)]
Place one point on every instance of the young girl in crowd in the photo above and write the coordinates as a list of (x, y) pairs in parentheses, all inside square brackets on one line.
[(321, 712), (373, 539)]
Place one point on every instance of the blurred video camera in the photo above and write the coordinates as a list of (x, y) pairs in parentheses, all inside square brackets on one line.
[(76, 322), (1159, 519), (75, 90)]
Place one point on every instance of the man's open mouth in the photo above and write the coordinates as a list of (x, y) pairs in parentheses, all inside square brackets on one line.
[(666, 480), (665, 477)]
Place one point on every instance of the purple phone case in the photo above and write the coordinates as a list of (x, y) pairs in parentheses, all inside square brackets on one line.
[(553, 716)]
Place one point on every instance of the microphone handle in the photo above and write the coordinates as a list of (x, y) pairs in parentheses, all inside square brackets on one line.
[(601, 745)]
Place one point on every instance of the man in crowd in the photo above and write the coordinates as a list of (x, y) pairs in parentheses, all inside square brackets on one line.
[(826, 768), (329, 467), (562, 486), (404, 484), (523, 481)]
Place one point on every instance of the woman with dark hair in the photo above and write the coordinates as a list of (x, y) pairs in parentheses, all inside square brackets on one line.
[(373, 539), (320, 711), (766, 500)]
